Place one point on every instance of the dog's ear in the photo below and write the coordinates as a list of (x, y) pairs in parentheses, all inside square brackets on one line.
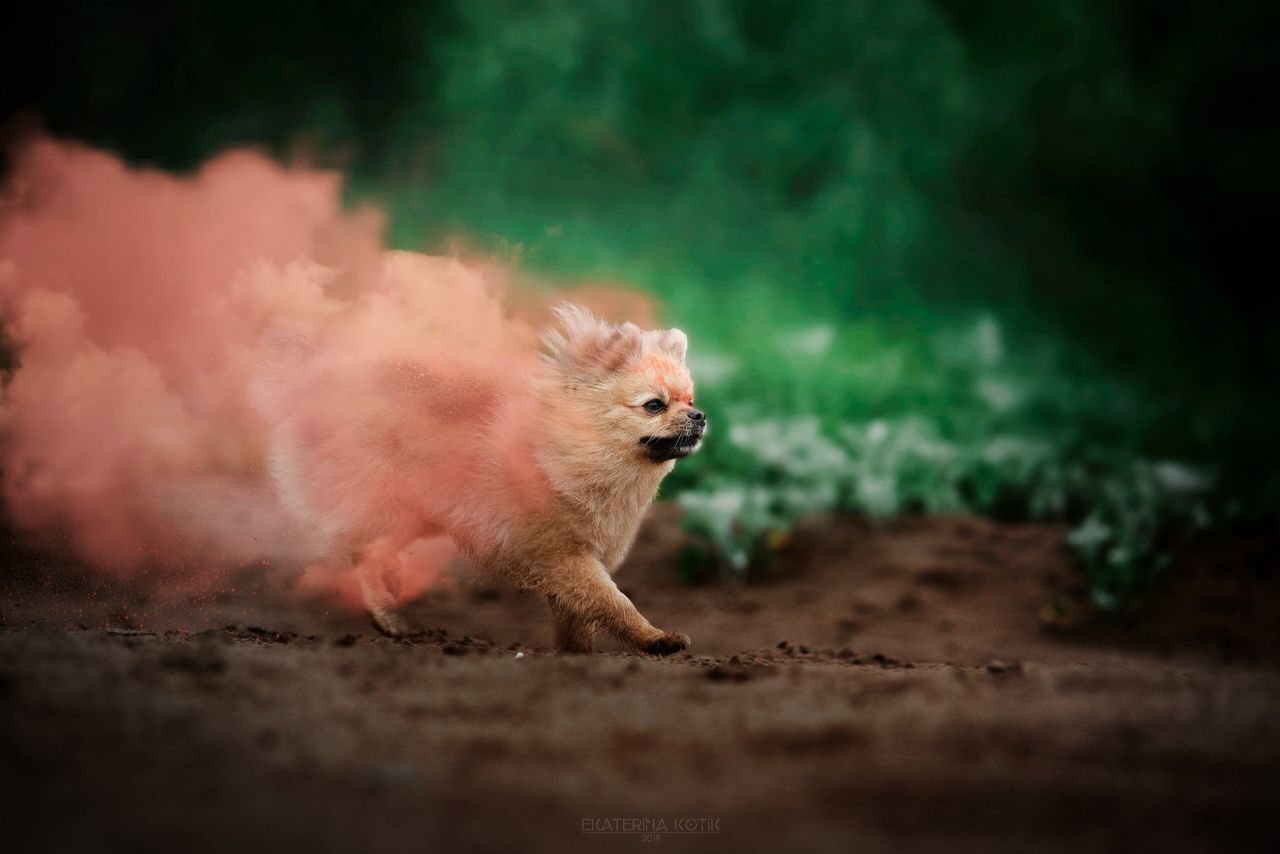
[(582, 346), (674, 343)]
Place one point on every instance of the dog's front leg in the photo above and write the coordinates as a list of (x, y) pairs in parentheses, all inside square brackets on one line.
[(584, 599), (573, 632)]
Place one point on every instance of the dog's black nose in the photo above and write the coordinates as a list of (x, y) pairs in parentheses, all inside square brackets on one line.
[(697, 415)]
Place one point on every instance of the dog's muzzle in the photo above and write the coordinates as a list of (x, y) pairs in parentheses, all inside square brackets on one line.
[(663, 448)]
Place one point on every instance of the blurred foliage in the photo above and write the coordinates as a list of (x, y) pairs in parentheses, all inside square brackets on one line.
[(932, 255)]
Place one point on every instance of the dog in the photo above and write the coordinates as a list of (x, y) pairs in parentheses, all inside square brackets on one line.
[(540, 476)]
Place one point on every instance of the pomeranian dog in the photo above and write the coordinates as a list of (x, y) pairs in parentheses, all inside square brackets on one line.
[(540, 477)]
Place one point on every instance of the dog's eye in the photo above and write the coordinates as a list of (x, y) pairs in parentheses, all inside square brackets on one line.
[(655, 406)]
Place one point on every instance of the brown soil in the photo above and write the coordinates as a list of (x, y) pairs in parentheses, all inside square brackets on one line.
[(926, 685)]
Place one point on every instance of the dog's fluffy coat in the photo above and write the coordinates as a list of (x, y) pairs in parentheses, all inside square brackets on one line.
[(541, 476)]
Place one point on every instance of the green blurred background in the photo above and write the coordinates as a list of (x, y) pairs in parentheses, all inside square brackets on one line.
[(933, 256)]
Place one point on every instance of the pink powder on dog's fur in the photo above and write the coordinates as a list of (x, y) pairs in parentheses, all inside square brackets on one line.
[(140, 306)]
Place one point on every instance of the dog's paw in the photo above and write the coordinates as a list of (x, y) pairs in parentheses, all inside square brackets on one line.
[(389, 623), (667, 643)]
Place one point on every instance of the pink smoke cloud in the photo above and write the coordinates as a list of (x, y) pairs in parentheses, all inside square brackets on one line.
[(141, 306)]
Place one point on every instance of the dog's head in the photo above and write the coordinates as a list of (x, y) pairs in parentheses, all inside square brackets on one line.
[(633, 384)]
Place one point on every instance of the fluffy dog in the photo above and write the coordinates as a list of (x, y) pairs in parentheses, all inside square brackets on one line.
[(540, 476)]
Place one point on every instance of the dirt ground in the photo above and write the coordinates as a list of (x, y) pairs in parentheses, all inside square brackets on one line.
[(925, 685)]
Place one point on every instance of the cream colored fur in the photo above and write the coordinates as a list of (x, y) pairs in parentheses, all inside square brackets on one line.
[(542, 477)]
